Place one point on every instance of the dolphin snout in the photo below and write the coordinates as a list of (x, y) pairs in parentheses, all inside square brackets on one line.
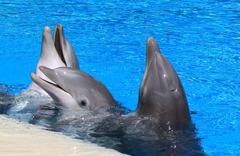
[(48, 72)]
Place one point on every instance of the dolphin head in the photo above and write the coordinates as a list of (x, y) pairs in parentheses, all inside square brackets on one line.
[(56, 52), (161, 93), (74, 89)]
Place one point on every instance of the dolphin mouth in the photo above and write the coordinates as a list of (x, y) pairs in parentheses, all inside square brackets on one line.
[(45, 84), (58, 41), (46, 71), (57, 93), (49, 73), (51, 83)]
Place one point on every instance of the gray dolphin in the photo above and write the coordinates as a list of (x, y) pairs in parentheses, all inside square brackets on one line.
[(74, 89), (161, 93), (55, 53)]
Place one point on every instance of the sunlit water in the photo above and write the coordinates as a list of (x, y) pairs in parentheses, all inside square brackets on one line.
[(200, 38)]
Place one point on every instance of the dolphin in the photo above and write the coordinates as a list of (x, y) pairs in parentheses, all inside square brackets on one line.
[(161, 124), (74, 89), (56, 52), (161, 94)]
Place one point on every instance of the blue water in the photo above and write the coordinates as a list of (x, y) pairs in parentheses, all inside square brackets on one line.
[(200, 38)]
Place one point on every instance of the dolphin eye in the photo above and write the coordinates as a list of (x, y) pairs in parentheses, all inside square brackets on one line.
[(83, 103)]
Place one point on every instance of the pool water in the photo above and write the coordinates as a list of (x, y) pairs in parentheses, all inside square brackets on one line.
[(200, 38)]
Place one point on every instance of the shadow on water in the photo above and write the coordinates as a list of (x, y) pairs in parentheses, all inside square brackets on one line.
[(114, 128)]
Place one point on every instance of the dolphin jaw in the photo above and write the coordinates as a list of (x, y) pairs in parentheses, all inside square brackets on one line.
[(58, 94), (52, 81), (38, 79)]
